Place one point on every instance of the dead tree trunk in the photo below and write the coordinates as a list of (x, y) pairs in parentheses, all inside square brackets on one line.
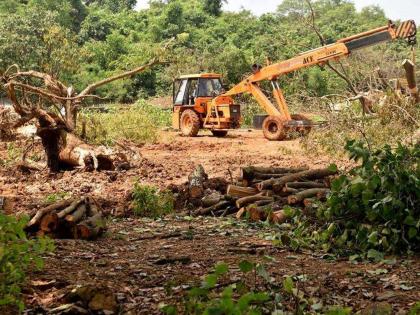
[(57, 131)]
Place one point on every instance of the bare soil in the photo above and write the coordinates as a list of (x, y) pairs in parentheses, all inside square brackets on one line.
[(148, 262)]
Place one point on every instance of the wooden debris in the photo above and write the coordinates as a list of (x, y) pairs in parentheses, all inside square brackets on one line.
[(305, 185), (196, 182), (71, 218), (261, 193), (309, 193), (305, 175), (38, 216), (252, 199), (222, 204), (237, 191)]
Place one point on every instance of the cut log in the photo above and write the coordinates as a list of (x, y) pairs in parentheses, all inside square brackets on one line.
[(49, 222), (310, 209), (248, 173), (263, 203), (77, 215), (240, 213), (211, 200), (66, 211), (236, 191), (310, 193), (251, 199), (308, 202), (299, 185), (310, 174), (278, 217), (196, 182), (40, 213), (288, 190), (218, 206), (90, 228), (257, 214), (93, 208), (260, 176)]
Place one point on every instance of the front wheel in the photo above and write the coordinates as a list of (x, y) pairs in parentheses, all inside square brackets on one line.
[(219, 133), (273, 128), (190, 123)]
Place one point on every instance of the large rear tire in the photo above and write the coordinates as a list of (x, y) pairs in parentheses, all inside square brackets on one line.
[(219, 133), (190, 123), (273, 128)]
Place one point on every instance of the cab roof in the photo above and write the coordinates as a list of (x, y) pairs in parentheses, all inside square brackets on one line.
[(200, 75)]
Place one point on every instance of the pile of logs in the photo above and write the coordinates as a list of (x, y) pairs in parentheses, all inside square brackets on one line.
[(261, 193), (77, 218)]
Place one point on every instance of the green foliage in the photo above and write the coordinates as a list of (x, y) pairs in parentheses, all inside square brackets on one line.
[(53, 198), (148, 201), (213, 7), (231, 300), (114, 5), (36, 41), (112, 37), (376, 207), (141, 122), (254, 292), (17, 256)]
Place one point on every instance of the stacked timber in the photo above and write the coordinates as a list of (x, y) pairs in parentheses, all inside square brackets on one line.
[(261, 193), (77, 218)]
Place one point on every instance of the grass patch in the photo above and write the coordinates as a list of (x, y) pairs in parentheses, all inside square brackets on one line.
[(139, 123), (148, 201)]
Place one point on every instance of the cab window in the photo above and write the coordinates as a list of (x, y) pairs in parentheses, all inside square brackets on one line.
[(209, 87), (181, 88)]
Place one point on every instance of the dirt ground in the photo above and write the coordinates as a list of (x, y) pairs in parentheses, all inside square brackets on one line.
[(149, 262)]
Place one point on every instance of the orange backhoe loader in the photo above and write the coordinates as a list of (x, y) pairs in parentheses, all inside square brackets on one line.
[(200, 103)]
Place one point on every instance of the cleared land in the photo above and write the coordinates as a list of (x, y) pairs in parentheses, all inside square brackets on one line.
[(148, 262)]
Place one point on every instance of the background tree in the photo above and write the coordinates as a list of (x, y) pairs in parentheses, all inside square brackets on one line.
[(214, 7)]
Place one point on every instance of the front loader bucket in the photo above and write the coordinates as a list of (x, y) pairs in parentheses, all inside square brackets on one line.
[(407, 30)]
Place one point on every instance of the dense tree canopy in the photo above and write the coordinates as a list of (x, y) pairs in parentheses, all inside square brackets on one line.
[(86, 40)]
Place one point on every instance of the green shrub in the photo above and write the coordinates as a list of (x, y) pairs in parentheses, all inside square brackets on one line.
[(255, 292), (377, 205), (139, 123), (17, 256), (148, 201)]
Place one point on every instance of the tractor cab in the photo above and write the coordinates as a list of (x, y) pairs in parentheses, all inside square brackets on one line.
[(187, 90), (192, 105)]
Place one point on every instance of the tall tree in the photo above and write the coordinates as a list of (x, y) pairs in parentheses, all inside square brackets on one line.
[(113, 5), (214, 7)]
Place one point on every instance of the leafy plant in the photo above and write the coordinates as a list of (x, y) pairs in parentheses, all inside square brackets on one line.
[(148, 201), (17, 256), (232, 299), (376, 206), (13, 154), (52, 198)]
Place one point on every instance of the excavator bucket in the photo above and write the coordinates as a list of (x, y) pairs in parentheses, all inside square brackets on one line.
[(407, 30)]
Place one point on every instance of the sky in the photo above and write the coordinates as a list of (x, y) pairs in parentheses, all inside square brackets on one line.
[(394, 9)]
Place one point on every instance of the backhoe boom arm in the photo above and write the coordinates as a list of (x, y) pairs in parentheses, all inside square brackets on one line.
[(319, 56)]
